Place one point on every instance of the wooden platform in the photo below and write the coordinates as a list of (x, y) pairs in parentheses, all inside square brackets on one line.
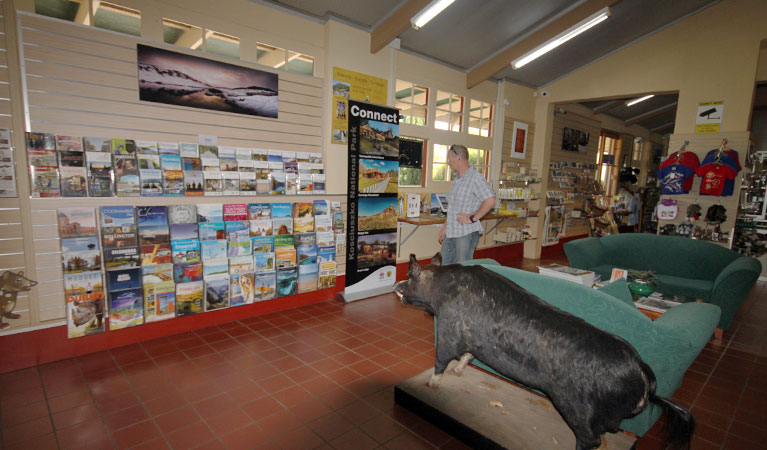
[(486, 412)]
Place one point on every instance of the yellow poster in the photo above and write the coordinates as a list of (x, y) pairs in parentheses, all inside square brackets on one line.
[(708, 117), (348, 84)]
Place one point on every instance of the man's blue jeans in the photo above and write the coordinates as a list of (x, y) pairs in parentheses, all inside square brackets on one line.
[(459, 249)]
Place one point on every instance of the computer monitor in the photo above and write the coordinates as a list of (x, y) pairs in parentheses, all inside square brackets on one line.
[(441, 200)]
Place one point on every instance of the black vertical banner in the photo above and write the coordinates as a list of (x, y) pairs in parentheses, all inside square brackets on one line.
[(371, 235)]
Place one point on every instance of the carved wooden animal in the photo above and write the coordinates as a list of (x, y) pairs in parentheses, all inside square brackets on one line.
[(11, 284)]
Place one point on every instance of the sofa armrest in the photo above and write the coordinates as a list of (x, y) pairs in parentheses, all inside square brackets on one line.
[(692, 323), (732, 286), (585, 253), (480, 262)]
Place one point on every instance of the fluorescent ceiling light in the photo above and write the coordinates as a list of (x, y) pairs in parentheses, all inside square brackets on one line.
[(563, 37), (640, 99), (428, 13)]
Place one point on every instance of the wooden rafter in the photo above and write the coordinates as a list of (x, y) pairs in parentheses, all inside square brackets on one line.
[(395, 25), (662, 127), (607, 106), (504, 58), (648, 114)]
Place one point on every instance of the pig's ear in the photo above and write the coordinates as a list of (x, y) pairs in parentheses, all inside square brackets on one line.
[(436, 260), (415, 268)]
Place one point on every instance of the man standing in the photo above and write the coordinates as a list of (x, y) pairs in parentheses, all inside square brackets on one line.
[(469, 200)]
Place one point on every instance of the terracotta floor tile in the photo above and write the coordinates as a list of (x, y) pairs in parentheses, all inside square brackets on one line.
[(43, 442), (262, 407), (279, 423), (244, 438), (24, 413), (27, 430), (83, 432), (276, 383), (176, 419), (162, 405), (67, 401), (136, 434), (116, 403), (227, 421), (190, 436), (354, 440), (382, 428), (291, 396), (75, 415), (299, 438), (358, 412), (125, 418)]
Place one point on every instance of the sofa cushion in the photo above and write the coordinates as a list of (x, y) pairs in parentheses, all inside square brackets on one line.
[(688, 287), (620, 290)]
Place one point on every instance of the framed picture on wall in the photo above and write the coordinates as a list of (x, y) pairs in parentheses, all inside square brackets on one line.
[(520, 140)]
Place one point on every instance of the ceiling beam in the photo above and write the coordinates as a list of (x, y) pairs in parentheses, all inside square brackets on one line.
[(662, 127), (607, 106), (505, 57), (395, 25), (648, 114)]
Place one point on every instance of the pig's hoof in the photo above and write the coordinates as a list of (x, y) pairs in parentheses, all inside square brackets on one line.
[(434, 382)]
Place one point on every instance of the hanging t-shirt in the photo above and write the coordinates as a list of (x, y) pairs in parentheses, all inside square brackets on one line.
[(721, 170), (674, 178), (684, 163), (713, 179)]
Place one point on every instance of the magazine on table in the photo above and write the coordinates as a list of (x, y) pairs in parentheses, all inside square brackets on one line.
[(655, 304)]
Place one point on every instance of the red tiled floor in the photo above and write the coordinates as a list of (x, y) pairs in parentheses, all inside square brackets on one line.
[(320, 376)]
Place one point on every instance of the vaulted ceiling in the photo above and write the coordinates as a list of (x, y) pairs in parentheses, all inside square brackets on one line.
[(482, 37)]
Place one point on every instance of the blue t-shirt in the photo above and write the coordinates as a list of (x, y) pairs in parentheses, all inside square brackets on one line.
[(673, 178)]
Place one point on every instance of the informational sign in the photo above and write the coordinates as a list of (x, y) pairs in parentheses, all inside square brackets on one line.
[(350, 85), (371, 237), (708, 119)]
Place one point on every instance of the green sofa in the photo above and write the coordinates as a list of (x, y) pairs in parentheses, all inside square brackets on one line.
[(669, 344), (689, 267)]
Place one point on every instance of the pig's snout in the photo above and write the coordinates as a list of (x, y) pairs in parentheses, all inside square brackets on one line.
[(399, 289)]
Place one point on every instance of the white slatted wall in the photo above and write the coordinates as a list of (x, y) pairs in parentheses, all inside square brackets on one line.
[(82, 81), (11, 230)]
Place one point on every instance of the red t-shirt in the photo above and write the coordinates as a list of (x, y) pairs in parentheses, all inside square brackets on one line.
[(687, 159), (713, 177)]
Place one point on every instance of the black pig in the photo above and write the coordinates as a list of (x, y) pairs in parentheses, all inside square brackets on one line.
[(593, 378)]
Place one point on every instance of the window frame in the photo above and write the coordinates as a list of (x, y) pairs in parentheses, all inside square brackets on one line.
[(450, 113), (411, 103), (482, 121)]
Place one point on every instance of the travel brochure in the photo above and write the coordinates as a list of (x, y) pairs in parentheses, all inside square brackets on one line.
[(153, 263), (74, 166)]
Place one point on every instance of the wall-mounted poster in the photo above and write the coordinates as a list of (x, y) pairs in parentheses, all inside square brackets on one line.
[(184, 80), (575, 140), (372, 200), (350, 85), (520, 140)]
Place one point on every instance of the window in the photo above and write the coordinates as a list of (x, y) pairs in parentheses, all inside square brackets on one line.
[(411, 157), (439, 169), (478, 160), (449, 114), (607, 156), (480, 117), (61, 9), (279, 58), (222, 44), (300, 63), (637, 154), (110, 16), (411, 100), (178, 33)]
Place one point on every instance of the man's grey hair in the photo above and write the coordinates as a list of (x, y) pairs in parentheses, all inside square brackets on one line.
[(461, 151)]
